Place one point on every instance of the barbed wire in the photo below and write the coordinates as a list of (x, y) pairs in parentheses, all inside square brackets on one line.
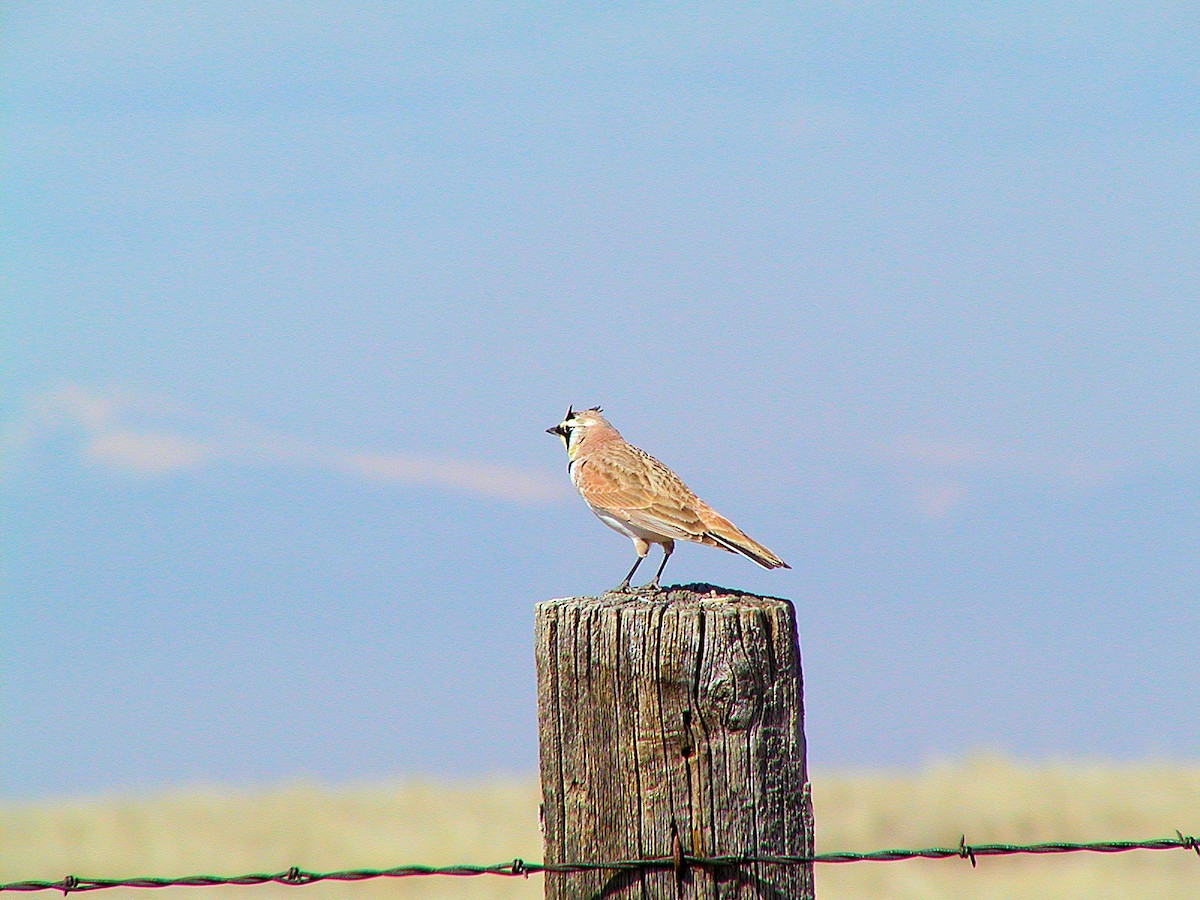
[(519, 868)]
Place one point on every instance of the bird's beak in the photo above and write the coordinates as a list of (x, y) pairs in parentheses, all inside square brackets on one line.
[(559, 429)]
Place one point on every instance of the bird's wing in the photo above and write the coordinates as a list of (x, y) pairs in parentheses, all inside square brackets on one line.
[(639, 489)]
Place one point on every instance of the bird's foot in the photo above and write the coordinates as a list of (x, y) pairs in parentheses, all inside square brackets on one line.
[(650, 587)]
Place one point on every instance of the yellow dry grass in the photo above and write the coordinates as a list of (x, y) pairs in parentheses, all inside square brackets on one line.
[(991, 799)]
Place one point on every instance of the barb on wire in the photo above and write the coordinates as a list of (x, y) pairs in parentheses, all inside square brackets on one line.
[(295, 876)]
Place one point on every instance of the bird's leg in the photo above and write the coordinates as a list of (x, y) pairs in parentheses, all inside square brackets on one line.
[(641, 548), (668, 549), (624, 585)]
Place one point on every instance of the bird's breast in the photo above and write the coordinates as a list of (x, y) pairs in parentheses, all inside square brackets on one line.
[(574, 468)]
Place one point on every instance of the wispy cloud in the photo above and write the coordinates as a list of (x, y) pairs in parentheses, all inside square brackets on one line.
[(936, 498), (145, 451), (937, 473), (150, 436)]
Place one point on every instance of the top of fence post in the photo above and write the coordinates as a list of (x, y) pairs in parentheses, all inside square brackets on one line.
[(671, 728)]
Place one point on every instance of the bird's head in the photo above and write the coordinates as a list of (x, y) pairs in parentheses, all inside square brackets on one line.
[(575, 427)]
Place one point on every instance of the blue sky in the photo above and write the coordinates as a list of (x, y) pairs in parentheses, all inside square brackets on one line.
[(292, 291)]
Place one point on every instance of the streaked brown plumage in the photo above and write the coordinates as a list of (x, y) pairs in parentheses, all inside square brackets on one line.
[(635, 494)]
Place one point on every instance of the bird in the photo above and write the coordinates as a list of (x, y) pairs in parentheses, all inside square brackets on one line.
[(636, 495)]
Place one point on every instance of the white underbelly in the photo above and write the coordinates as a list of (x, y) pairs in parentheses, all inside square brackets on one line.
[(630, 531)]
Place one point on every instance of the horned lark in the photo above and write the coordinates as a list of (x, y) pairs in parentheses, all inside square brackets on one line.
[(633, 493)]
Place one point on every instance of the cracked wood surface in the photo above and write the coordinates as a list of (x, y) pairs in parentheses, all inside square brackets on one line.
[(678, 713)]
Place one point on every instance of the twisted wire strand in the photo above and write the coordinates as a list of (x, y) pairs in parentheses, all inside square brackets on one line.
[(519, 868)]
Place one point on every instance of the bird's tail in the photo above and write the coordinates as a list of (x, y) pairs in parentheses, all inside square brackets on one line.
[(727, 536)]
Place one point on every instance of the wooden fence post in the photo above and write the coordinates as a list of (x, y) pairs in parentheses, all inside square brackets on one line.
[(673, 726)]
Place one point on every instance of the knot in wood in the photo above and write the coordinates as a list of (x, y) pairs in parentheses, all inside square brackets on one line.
[(729, 701)]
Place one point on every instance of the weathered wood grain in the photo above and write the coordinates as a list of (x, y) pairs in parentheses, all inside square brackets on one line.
[(677, 713)]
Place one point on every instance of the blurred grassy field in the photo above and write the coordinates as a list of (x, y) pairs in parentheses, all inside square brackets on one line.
[(990, 799)]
